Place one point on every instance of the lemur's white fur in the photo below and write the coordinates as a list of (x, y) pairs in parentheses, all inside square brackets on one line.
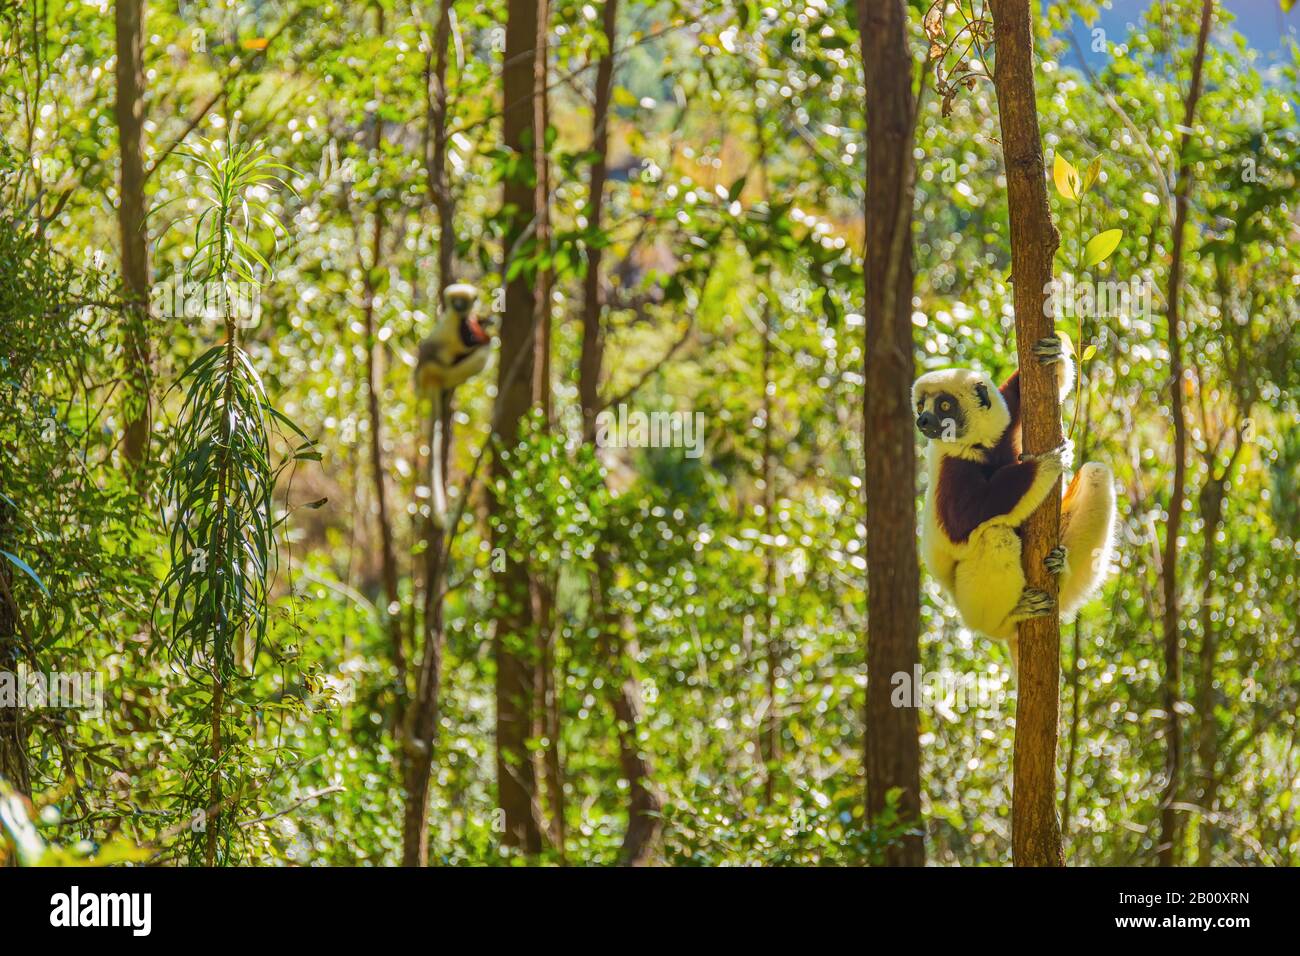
[(983, 574), (1087, 533)]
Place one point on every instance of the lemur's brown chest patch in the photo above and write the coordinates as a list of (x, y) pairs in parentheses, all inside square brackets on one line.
[(970, 493)]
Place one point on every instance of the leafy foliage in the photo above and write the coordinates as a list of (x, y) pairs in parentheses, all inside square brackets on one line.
[(695, 229)]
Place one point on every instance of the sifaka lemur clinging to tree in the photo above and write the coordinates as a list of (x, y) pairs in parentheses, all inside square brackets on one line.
[(982, 488), (455, 351)]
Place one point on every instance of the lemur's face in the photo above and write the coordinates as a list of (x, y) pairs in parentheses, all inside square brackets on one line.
[(939, 416), (461, 298), (960, 409)]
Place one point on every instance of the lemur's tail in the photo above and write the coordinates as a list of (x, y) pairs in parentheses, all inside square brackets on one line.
[(1087, 532)]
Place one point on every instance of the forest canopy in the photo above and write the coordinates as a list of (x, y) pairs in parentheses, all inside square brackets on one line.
[(440, 433)]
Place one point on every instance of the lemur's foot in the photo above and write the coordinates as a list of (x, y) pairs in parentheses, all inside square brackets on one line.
[(1033, 603), (1060, 458), (1049, 350), (1055, 560)]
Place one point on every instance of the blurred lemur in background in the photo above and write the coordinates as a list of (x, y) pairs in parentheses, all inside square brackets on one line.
[(455, 351)]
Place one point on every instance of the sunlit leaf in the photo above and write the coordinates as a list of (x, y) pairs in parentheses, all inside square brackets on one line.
[(1066, 177), (1090, 175), (1100, 246)]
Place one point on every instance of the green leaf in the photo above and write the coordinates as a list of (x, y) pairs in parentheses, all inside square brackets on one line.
[(1066, 178), (1100, 246), (1089, 352), (23, 566), (1091, 174)]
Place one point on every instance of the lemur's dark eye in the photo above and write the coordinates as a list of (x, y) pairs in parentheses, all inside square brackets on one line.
[(944, 405)]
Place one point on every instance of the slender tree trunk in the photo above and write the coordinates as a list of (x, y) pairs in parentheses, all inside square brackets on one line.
[(593, 297), (420, 728), (617, 651), (515, 626), (421, 723), (13, 733), (1036, 831), (546, 716), (436, 163), (1169, 562), (1211, 508), (374, 385), (378, 470), (132, 210), (893, 749), (212, 820), (769, 739)]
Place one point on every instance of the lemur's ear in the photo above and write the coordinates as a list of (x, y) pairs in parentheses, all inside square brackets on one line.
[(982, 393)]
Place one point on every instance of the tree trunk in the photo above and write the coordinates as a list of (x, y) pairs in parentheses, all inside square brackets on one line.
[(420, 723), (131, 214), (1169, 563), (378, 470), (421, 720), (1035, 828), (893, 749), (618, 653), (436, 162), (593, 298), (1211, 508), (13, 734), (769, 738), (515, 628), (374, 385), (546, 716)]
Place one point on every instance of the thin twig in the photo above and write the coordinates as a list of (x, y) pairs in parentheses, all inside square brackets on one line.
[(337, 788)]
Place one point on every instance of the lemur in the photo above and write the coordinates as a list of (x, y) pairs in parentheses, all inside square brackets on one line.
[(455, 351), (458, 347), (982, 488)]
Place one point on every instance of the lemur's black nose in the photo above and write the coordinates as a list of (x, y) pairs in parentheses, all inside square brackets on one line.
[(927, 421)]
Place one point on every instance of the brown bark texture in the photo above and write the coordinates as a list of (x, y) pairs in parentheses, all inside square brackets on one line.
[(514, 626), (131, 214), (420, 720), (893, 750), (617, 650), (1035, 827)]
